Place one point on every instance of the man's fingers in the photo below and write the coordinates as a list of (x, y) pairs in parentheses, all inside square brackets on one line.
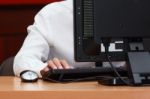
[(51, 64), (65, 64), (57, 63)]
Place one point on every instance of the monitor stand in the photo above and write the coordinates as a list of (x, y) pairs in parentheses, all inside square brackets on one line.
[(139, 67)]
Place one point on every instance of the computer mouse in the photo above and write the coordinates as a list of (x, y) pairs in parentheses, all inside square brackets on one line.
[(28, 76)]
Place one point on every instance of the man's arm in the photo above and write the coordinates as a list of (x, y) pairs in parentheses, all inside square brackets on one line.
[(35, 49)]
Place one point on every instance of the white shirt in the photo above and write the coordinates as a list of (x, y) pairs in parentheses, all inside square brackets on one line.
[(50, 36)]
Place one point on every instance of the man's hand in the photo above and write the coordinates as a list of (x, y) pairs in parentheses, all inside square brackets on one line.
[(56, 64)]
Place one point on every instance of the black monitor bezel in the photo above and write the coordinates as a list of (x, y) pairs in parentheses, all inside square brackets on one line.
[(80, 55)]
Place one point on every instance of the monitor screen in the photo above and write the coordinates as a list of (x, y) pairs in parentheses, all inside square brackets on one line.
[(119, 20)]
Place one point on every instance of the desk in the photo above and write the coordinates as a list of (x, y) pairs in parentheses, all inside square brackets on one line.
[(13, 88)]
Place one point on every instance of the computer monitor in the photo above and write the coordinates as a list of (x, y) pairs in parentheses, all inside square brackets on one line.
[(99, 22), (119, 20)]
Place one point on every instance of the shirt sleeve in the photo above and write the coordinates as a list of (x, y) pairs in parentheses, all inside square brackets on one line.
[(34, 52)]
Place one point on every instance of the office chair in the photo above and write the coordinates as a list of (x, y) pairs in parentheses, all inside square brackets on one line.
[(6, 68)]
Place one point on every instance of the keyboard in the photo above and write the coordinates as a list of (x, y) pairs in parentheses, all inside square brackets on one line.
[(82, 74)]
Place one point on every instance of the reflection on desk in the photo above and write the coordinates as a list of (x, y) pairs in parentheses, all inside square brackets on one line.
[(13, 88)]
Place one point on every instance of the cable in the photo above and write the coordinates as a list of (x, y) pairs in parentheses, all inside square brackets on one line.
[(106, 43), (116, 72)]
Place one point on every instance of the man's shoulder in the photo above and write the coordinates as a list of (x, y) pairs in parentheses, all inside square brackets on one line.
[(58, 6)]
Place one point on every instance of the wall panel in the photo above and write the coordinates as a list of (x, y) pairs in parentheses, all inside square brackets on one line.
[(15, 16)]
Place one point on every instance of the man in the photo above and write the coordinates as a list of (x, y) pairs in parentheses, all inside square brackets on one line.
[(49, 43)]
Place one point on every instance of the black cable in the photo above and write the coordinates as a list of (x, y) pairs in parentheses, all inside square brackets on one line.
[(106, 43), (116, 72)]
